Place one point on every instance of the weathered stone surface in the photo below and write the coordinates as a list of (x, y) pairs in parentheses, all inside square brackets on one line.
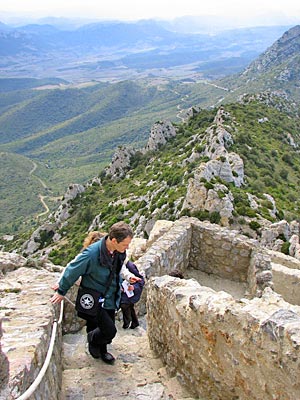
[(220, 251), (10, 262), (160, 132), (223, 348), (4, 370), (287, 282), (120, 162), (160, 227), (137, 373), (27, 322)]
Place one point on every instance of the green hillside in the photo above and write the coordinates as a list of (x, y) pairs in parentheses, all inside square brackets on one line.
[(156, 184), (21, 187), (71, 133), (277, 69)]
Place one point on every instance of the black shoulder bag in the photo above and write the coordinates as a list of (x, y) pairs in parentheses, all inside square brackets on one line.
[(88, 301)]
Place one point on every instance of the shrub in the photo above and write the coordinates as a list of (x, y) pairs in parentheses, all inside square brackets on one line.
[(254, 225), (285, 248), (214, 217), (208, 185)]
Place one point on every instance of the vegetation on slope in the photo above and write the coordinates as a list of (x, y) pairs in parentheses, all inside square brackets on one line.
[(71, 134), (156, 184)]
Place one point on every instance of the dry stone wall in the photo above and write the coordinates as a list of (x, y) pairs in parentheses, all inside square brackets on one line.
[(286, 276), (170, 251), (222, 348), (220, 251), (190, 243)]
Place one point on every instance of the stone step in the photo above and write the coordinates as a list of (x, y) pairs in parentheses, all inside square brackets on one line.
[(136, 374)]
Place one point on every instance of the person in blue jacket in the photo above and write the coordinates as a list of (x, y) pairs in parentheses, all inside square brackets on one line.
[(129, 298), (94, 264)]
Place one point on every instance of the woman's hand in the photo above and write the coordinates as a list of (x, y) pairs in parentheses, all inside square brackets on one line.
[(134, 279)]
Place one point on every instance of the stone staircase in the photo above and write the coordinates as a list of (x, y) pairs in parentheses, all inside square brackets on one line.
[(136, 374)]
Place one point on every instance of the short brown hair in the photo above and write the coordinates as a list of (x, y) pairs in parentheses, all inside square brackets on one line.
[(120, 231)]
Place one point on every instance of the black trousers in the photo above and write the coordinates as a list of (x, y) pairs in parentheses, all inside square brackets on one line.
[(129, 315), (102, 328)]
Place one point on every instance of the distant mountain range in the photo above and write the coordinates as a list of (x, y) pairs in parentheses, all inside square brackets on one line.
[(113, 51)]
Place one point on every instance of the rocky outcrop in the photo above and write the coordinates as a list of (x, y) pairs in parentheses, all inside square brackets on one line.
[(160, 133), (120, 162), (275, 235), (10, 261), (222, 164), (63, 212)]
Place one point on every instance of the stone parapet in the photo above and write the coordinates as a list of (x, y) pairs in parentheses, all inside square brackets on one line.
[(170, 251), (287, 283), (222, 348), (209, 248), (27, 321)]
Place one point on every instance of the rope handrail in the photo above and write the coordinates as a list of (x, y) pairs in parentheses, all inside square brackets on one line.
[(43, 370)]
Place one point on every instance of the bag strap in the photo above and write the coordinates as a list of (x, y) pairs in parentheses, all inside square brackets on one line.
[(111, 275)]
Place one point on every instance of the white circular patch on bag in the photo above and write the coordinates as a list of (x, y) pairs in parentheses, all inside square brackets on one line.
[(87, 301)]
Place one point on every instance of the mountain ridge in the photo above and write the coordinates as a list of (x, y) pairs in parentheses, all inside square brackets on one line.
[(204, 170)]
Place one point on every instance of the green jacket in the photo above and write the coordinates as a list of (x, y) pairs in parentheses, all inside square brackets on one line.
[(94, 274)]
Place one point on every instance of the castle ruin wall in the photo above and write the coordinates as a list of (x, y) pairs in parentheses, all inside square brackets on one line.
[(223, 348)]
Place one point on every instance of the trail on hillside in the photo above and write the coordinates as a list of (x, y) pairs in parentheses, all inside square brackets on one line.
[(45, 206), (40, 196)]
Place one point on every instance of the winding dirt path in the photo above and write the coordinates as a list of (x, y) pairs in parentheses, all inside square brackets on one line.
[(40, 196)]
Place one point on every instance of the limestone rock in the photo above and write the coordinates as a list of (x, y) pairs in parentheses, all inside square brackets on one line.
[(294, 249), (10, 261), (160, 133), (62, 214), (270, 234), (120, 162), (39, 237)]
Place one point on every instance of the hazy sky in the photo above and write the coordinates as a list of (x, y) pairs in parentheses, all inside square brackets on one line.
[(138, 9)]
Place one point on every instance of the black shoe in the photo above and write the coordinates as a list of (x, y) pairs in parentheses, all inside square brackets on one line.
[(126, 326), (133, 326), (108, 358)]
